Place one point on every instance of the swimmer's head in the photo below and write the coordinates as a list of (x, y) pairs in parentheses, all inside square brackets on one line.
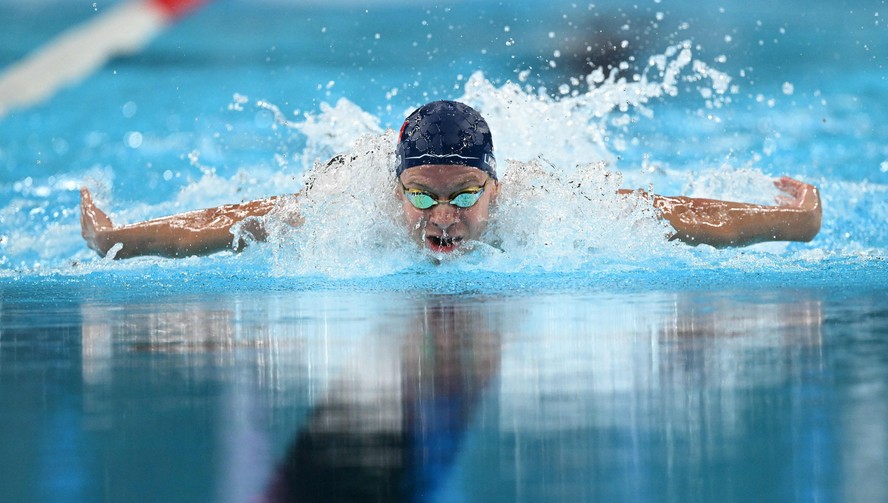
[(445, 133)]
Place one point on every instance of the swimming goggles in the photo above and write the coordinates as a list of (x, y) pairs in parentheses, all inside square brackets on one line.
[(463, 199)]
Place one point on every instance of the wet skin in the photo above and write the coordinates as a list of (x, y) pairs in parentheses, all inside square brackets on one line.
[(444, 228)]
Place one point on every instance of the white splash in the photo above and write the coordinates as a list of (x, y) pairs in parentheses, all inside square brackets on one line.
[(558, 210), (350, 217), (573, 130)]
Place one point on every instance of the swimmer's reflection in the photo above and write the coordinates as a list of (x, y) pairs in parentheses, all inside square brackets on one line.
[(391, 430)]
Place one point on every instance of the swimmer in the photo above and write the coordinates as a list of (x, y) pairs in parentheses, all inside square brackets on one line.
[(446, 184)]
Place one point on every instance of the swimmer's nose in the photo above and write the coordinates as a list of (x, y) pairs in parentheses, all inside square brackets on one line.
[(443, 216)]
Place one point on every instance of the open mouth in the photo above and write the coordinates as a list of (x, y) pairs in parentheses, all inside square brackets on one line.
[(442, 243)]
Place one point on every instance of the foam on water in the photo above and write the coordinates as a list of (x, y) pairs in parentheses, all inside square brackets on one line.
[(558, 209)]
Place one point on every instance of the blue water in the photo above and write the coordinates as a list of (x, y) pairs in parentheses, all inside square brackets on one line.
[(628, 368)]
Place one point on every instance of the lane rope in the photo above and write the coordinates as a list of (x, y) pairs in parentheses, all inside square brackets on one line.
[(75, 54)]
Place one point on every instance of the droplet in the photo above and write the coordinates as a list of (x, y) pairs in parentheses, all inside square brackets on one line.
[(133, 139), (788, 88), (129, 109)]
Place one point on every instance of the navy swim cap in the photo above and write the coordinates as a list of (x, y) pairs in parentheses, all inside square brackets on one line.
[(445, 132)]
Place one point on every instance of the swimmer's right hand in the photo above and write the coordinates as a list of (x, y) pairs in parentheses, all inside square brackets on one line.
[(94, 224)]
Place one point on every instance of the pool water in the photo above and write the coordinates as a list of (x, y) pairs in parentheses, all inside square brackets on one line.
[(539, 394), (588, 359)]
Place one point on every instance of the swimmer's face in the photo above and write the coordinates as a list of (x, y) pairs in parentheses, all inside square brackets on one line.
[(444, 227)]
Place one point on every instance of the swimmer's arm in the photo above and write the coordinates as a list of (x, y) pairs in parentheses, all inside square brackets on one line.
[(199, 232), (797, 217)]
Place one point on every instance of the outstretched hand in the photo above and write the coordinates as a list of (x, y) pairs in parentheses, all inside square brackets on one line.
[(799, 194), (94, 223), (803, 198)]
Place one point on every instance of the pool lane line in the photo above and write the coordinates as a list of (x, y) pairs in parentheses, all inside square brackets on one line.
[(76, 53)]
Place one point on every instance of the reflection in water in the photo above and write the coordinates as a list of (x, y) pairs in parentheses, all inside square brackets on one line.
[(391, 427), (352, 397), (668, 396)]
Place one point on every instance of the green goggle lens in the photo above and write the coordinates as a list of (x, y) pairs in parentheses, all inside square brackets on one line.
[(423, 201), (466, 199)]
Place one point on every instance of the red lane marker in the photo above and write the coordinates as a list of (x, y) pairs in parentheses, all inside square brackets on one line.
[(177, 8)]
